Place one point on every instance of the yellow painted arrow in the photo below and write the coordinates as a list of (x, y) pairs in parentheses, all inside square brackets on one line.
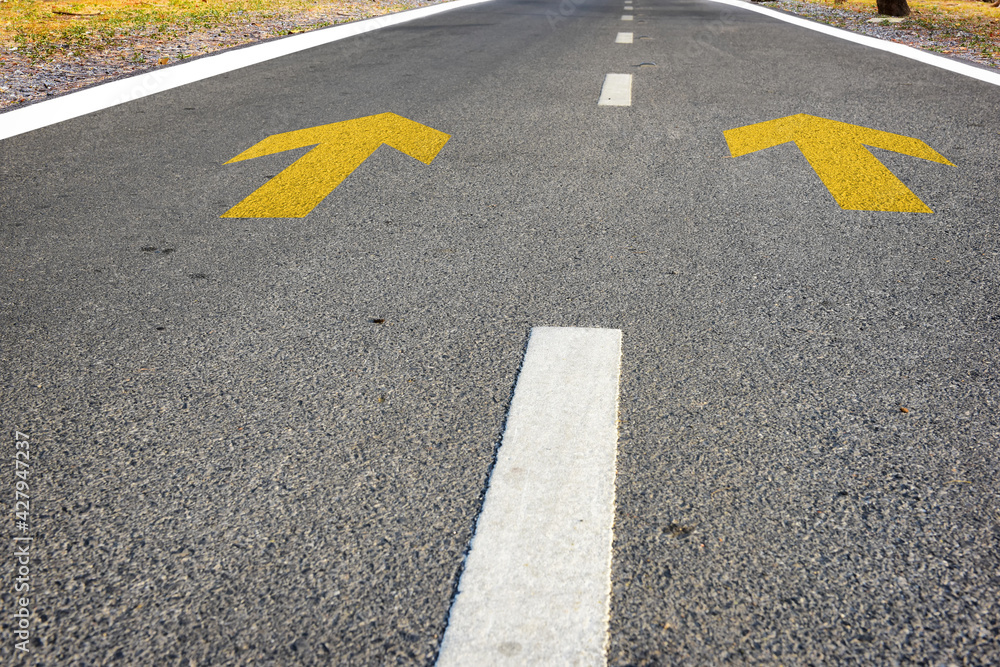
[(340, 148), (836, 151)]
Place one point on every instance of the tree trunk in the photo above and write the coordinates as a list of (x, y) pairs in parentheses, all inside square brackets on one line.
[(893, 7)]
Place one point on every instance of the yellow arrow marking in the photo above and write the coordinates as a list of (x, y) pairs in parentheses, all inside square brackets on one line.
[(836, 151), (340, 148)]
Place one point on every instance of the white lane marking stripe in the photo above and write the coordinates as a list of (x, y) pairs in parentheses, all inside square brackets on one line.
[(617, 91), (891, 47), (626, 17), (623, 38), (537, 581), (50, 112)]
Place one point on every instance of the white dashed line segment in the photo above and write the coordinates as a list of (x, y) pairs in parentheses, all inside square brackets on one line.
[(623, 38), (626, 17), (616, 91), (537, 580)]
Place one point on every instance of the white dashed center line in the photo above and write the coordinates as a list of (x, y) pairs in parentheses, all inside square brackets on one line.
[(623, 38), (617, 91), (537, 580), (626, 17)]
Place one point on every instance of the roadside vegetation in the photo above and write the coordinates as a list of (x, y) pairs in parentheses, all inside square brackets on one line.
[(960, 25), (976, 25), (42, 30)]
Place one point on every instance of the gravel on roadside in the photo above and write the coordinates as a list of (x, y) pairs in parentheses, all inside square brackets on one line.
[(908, 31), (25, 78)]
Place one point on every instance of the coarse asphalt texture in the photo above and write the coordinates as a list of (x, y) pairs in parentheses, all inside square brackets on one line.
[(266, 441)]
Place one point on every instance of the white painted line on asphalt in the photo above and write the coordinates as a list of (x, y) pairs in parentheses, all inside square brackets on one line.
[(113, 93), (892, 47), (537, 581), (616, 91), (626, 17), (628, 8), (623, 38)]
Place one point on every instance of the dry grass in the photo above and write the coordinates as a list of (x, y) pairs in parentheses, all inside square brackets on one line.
[(45, 28), (978, 20)]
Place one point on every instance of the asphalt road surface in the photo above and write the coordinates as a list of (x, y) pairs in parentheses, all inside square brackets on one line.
[(266, 440)]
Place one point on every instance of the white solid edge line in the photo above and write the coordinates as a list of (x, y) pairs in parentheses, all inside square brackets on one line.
[(536, 585), (118, 92), (892, 47), (616, 91), (623, 38)]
